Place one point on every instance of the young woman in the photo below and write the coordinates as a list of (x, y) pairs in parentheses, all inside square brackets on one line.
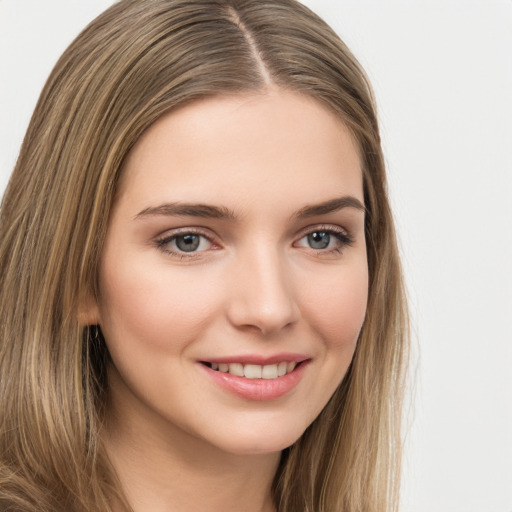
[(201, 297)]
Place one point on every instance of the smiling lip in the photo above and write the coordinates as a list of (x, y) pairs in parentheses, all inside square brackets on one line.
[(261, 360), (258, 389)]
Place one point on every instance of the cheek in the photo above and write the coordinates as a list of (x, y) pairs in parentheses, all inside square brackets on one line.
[(154, 308), (336, 306)]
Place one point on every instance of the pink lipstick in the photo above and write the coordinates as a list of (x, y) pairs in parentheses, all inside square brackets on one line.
[(255, 377)]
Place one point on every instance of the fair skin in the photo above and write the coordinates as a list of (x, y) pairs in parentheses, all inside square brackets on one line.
[(237, 239)]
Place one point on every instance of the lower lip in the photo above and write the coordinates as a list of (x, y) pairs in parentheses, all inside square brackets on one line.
[(258, 389)]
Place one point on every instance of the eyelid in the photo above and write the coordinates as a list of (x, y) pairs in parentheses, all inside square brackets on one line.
[(328, 228)]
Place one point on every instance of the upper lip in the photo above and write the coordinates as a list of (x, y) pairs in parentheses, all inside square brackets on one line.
[(259, 359)]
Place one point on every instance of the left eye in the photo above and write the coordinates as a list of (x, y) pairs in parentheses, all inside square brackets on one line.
[(324, 239), (318, 240)]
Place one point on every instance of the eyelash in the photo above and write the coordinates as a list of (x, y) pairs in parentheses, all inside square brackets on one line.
[(339, 234)]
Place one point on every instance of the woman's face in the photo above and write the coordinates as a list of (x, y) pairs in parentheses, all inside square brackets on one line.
[(234, 278)]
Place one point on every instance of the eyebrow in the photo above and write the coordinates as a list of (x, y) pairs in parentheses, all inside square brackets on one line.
[(330, 206), (221, 212), (188, 210)]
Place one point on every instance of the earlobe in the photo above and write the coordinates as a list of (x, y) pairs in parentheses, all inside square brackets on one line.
[(88, 311)]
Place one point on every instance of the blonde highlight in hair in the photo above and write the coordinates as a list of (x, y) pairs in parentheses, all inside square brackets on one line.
[(137, 61)]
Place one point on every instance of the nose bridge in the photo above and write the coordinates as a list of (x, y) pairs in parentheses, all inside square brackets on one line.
[(262, 290)]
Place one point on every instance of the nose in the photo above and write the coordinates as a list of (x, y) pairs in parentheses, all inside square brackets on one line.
[(261, 295)]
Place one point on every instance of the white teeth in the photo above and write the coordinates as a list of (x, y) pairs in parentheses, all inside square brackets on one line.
[(252, 371), (269, 371), (281, 369), (236, 369), (255, 371)]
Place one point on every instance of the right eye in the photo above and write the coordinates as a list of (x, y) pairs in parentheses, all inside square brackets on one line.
[(184, 243)]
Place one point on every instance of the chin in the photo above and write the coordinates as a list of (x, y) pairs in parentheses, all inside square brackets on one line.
[(264, 441)]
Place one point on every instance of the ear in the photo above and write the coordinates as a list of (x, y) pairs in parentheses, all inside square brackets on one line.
[(88, 311)]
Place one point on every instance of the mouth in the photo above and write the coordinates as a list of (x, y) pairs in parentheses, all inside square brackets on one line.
[(255, 377), (255, 371)]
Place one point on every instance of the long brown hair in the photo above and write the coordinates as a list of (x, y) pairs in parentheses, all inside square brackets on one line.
[(135, 62)]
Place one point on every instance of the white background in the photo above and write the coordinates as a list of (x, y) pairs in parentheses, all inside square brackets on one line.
[(442, 72)]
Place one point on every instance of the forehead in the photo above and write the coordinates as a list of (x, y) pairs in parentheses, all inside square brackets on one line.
[(236, 148)]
